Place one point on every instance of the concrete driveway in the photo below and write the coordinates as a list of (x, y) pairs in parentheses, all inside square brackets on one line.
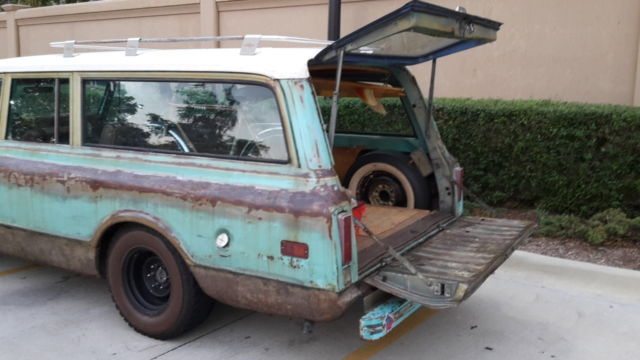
[(534, 307)]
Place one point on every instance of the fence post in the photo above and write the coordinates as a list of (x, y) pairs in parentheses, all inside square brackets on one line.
[(13, 39), (636, 89), (209, 21)]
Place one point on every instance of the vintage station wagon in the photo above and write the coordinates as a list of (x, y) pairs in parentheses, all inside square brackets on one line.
[(188, 176)]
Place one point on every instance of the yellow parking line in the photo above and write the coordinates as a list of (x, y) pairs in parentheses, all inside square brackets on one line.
[(19, 269), (372, 348)]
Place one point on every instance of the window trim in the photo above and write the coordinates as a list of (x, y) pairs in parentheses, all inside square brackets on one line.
[(4, 106), (248, 79), (5, 97)]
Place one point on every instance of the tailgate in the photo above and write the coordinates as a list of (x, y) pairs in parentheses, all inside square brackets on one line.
[(454, 263), (397, 227)]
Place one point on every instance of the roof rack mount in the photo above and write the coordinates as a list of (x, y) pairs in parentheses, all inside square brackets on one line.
[(250, 43)]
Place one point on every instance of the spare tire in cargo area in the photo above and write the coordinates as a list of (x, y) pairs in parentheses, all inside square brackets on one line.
[(385, 178)]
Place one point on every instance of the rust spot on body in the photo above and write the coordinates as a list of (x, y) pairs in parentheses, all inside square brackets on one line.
[(80, 181), (301, 90), (70, 254), (275, 297)]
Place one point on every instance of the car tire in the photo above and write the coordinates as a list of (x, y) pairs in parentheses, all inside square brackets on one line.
[(151, 285), (383, 178)]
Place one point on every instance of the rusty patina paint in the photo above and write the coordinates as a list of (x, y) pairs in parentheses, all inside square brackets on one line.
[(200, 162), (474, 248), (83, 192), (317, 202), (276, 297), (165, 203), (76, 256)]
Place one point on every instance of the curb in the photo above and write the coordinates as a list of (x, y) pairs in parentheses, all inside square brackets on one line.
[(572, 276)]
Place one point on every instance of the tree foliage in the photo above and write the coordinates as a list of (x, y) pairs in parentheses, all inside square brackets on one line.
[(40, 3)]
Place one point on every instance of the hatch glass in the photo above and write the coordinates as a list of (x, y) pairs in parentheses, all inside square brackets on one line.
[(415, 33)]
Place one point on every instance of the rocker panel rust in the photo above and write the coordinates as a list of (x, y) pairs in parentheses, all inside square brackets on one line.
[(73, 255), (238, 290)]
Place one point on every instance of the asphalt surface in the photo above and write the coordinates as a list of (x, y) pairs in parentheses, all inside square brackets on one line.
[(534, 307)]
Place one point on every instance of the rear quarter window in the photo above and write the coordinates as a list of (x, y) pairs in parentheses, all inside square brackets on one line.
[(39, 110), (234, 120)]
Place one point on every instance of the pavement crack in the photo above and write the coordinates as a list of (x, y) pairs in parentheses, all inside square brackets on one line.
[(203, 335)]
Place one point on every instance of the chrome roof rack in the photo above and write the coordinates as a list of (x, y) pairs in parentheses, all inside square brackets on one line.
[(250, 43)]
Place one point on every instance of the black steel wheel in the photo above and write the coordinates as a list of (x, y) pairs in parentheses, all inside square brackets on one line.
[(152, 286), (389, 179), (146, 281)]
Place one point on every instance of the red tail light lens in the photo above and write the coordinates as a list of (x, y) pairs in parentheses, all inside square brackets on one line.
[(345, 224), (358, 213), (294, 249)]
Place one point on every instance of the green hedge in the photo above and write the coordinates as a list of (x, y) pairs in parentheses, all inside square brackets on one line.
[(355, 116), (561, 157)]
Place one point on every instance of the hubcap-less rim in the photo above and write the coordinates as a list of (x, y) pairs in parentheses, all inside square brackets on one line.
[(146, 281), (381, 188)]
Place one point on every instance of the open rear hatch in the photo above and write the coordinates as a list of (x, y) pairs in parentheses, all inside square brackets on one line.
[(417, 256), (415, 33), (451, 265)]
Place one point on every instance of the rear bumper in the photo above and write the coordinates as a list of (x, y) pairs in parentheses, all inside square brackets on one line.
[(380, 320), (275, 297)]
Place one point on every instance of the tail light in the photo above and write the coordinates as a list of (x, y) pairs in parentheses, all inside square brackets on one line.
[(458, 174), (358, 212), (344, 224), (294, 249)]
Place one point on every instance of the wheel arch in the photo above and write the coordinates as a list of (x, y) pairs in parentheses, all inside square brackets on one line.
[(130, 218)]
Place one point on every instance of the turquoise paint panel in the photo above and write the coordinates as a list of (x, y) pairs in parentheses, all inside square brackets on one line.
[(75, 212), (378, 142), (385, 317), (255, 235), (48, 213), (254, 246), (308, 131)]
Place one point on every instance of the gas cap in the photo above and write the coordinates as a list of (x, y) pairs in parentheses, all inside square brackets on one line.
[(222, 240)]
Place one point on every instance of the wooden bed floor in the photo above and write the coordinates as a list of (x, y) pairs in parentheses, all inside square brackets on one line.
[(385, 220), (395, 226)]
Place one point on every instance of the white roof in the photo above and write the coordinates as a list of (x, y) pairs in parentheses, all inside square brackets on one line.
[(276, 63)]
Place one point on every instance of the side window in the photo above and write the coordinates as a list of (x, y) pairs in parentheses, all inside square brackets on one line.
[(39, 111), (224, 119)]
